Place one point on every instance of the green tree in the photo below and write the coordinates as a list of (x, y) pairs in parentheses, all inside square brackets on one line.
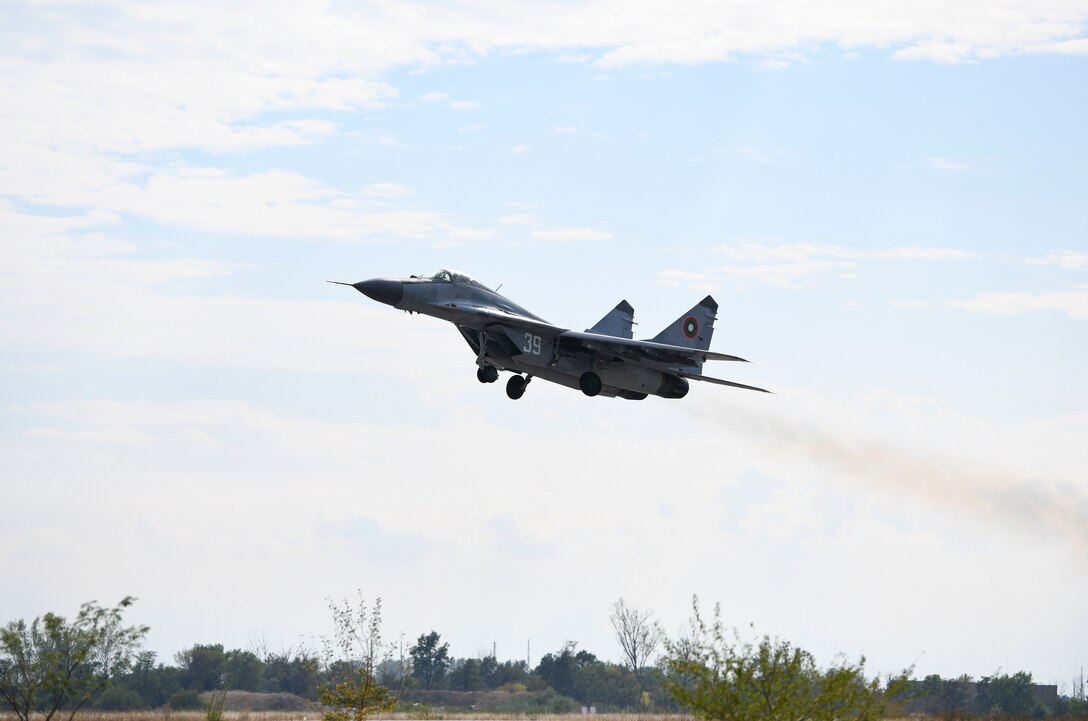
[(242, 670), (1004, 694), (559, 670), (290, 671), (510, 672), (202, 666), (607, 686), (52, 664), (718, 676), (956, 696), (153, 682), (466, 674), (352, 656), (430, 659)]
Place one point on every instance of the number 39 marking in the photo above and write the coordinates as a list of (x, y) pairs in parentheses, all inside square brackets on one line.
[(532, 344)]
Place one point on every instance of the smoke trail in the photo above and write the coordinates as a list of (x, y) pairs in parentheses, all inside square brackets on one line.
[(957, 486)]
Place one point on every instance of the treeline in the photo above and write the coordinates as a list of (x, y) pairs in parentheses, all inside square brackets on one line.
[(710, 670), (148, 683), (1015, 695), (562, 681)]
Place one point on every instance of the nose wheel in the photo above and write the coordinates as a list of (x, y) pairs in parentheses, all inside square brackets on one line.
[(515, 387)]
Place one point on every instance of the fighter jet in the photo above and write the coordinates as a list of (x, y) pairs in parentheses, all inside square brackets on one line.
[(604, 360)]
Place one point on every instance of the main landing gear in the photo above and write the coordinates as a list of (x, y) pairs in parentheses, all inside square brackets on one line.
[(515, 387), (590, 383), (487, 374)]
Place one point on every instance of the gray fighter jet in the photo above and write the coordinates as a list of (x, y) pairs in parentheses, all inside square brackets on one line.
[(604, 360)]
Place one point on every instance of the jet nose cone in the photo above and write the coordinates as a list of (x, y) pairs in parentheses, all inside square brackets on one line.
[(389, 292)]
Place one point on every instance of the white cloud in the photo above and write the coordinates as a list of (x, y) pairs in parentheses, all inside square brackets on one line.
[(925, 254), (945, 164), (538, 230), (782, 266), (273, 203), (784, 252), (798, 265), (1073, 303), (564, 129), (119, 303), (757, 154), (449, 102), (148, 106), (1066, 259), (571, 234), (688, 279), (519, 219), (387, 190), (789, 275), (141, 79), (519, 149)]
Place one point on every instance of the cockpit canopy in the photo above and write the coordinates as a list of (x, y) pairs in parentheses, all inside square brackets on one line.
[(452, 276)]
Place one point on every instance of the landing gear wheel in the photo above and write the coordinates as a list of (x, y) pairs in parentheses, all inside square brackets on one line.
[(515, 387), (487, 374), (590, 383)]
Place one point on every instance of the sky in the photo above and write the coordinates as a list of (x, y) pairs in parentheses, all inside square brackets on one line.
[(887, 199)]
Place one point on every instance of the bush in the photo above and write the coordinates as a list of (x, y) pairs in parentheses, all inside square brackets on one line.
[(119, 699), (513, 688), (185, 701), (718, 675), (563, 704)]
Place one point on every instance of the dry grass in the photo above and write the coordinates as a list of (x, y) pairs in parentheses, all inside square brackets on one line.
[(167, 715), (431, 715)]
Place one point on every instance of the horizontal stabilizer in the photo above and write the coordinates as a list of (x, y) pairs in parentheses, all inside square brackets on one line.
[(719, 381), (708, 355)]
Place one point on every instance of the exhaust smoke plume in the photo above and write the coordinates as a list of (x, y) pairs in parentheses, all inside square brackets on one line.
[(957, 486)]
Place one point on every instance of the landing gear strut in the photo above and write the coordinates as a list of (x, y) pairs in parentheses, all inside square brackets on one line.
[(515, 387), (590, 383), (487, 374)]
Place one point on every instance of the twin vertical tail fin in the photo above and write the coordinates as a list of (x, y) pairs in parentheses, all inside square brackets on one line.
[(617, 323), (694, 329)]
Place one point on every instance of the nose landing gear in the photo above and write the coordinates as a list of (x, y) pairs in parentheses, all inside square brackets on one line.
[(487, 374)]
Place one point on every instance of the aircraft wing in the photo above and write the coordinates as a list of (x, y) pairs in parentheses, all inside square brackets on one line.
[(669, 358), (626, 349), (486, 315), (643, 351)]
